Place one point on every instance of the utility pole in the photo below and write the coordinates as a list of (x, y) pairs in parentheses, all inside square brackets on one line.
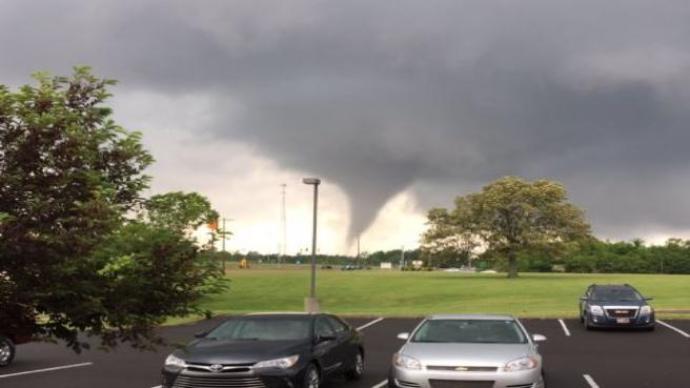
[(311, 303), (224, 235), (402, 257), (283, 226), (358, 257)]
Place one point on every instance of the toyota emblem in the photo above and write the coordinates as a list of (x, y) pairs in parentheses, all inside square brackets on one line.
[(215, 368)]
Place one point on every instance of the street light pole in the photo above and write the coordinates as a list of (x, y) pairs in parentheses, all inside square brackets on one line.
[(311, 303)]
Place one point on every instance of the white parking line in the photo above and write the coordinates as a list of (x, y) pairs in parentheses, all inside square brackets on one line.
[(381, 384), (590, 381), (677, 330), (158, 386), (375, 321), (45, 370), (565, 328)]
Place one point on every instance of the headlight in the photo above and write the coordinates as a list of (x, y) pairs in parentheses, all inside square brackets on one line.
[(596, 310), (404, 361), (173, 360), (646, 310), (281, 363), (523, 363)]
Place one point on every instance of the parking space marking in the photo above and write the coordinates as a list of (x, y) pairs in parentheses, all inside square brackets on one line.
[(590, 381), (45, 370), (565, 328), (677, 330), (158, 386), (381, 384), (375, 321)]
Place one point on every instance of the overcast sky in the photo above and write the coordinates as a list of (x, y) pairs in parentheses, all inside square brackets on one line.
[(397, 105)]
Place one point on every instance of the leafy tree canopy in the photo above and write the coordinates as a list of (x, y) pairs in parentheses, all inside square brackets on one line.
[(507, 216), (75, 254)]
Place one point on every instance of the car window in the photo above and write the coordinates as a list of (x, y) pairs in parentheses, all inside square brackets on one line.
[(616, 294), (501, 331), (337, 325), (323, 328), (262, 329)]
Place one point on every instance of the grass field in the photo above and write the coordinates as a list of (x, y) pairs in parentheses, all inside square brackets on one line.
[(395, 293)]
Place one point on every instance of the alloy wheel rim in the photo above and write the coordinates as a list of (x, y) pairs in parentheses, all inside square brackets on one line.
[(4, 352), (359, 364)]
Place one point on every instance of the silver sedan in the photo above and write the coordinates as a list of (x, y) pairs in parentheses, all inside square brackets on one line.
[(468, 351)]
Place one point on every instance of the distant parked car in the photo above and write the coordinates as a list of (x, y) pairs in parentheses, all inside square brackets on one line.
[(351, 267), (447, 351), (615, 305), (268, 350)]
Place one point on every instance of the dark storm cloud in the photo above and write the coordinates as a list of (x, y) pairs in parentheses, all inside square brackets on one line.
[(437, 96)]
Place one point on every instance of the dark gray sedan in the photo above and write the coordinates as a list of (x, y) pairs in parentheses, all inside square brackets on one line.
[(266, 351)]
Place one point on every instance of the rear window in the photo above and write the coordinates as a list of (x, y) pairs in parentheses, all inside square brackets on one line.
[(470, 331)]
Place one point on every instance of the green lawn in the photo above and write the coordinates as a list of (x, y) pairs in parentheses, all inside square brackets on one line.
[(394, 293)]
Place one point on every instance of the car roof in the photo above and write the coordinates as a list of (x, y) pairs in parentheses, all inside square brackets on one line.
[(279, 314), (611, 286), (477, 317)]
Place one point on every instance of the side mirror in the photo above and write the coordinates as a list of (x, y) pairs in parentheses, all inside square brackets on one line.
[(200, 334), (404, 336), (648, 298), (538, 338), (583, 298)]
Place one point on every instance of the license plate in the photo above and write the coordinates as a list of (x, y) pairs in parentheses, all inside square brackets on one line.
[(622, 320)]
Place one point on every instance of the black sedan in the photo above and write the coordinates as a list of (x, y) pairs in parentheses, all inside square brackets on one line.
[(266, 351), (615, 305)]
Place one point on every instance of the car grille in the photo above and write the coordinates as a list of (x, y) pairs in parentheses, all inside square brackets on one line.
[(407, 384), (463, 368), (460, 384), (621, 313), (521, 386), (222, 381)]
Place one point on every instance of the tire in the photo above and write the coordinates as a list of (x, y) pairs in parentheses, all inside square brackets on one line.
[(586, 322), (357, 370), (7, 351), (312, 377)]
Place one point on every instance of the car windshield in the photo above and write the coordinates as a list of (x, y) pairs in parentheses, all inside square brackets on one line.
[(617, 294), (263, 329), (500, 331)]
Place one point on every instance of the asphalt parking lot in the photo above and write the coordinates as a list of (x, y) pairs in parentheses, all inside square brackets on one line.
[(573, 357)]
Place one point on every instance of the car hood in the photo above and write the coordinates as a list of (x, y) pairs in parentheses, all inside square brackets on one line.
[(466, 354), (205, 351)]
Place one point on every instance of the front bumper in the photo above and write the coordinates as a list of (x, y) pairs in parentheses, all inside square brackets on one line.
[(640, 321), (422, 378), (278, 378)]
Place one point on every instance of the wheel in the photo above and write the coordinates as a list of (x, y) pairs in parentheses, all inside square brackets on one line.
[(357, 370), (7, 351), (588, 326), (312, 378)]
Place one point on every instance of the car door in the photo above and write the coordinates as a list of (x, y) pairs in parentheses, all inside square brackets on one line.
[(326, 345), (347, 346)]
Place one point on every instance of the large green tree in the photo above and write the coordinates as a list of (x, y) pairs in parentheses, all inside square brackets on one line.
[(507, 216), (75, 256)]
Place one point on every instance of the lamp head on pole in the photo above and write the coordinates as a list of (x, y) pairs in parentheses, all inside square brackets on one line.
[(311, 181)]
